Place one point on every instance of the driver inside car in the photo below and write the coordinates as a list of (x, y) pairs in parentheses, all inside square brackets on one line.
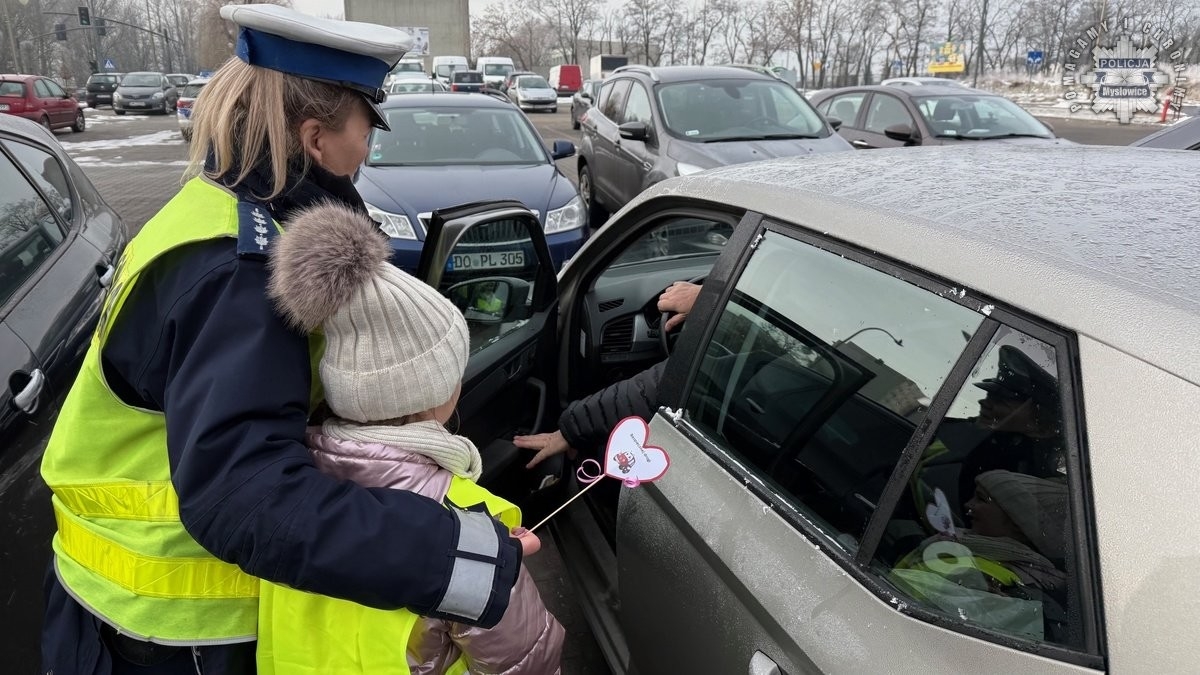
[(585, 424)]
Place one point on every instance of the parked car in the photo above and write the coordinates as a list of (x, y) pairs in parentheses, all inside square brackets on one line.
[(511, 78), (532, 93), (922, 82), (1183, 135), (583, 100), (416, 85), (406, 68), (888, 117), (42, 100), (903, 434), (651, 124), (440, 143), (179, 80), (145, 92), (495, 69), (58, 244), (184, 106), (468, 81), (761, 70), (566, 79), (444, 66), (100, 88)]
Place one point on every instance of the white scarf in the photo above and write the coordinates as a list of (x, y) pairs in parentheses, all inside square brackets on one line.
[(456, 454)]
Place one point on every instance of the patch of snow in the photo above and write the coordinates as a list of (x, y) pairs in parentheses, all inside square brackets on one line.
[(987, 309), (90, 161), (168, 137)]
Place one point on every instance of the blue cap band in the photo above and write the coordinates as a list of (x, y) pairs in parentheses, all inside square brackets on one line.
[(305, 59)]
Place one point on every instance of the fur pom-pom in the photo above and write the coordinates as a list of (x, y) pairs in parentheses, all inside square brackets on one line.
[(325, 254)]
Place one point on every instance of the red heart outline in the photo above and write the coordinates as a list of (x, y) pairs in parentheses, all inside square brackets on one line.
[(645, 448)]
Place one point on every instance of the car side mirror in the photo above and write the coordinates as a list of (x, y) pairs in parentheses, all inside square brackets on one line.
[(834, 122), (585, 96), (489, 299), (900, 132), (562, 150), (634, 131)]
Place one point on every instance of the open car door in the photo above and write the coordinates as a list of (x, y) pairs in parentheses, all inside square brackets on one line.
[(492, 261)]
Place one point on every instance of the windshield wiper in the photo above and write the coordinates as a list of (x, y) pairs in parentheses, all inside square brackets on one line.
[(984, 138), (760, 137)]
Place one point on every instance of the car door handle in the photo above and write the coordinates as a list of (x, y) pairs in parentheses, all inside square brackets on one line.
[(761, 664), (26, 400), (105, 274), (860, 143)]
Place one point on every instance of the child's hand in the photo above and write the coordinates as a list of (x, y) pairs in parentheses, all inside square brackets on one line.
[(530, 543)]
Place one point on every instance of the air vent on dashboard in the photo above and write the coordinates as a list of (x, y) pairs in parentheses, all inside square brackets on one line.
[(617, 336), (608, 305)]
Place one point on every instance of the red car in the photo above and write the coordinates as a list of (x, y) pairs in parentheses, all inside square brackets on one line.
[(40, 99)]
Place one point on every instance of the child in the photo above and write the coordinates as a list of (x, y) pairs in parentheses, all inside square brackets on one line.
[(395, 352)]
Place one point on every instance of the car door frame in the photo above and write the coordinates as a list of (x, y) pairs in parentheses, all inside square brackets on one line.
[(879, 140), (63, 104), (678, 380), (636, 157), (605, 149), (859, 115)]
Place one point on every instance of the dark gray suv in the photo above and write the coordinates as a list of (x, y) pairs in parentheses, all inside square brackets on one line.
[(650, 124)]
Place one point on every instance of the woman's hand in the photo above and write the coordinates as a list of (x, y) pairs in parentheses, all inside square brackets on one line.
[(546, 445), (678, 298), (530, 543)]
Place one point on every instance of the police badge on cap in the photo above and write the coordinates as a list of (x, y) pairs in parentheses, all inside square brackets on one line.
[(348, 54)]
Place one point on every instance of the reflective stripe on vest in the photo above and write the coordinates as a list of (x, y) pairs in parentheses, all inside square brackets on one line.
[(306, 634), (121, 549)]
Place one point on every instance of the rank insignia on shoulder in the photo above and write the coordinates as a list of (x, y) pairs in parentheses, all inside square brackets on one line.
[(256, 229)]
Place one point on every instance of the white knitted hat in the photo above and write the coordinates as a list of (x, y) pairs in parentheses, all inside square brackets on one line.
[(393, 345)]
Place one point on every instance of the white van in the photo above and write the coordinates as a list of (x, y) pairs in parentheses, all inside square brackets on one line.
[(495, 69), (443, 66)]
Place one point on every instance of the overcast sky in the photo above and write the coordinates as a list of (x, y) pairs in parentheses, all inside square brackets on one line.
[(331, 7)]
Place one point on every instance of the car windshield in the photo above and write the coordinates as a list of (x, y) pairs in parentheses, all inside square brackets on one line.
[(12, 89), (977, 117), (727, 110), (142, 80), (192, 90), (106, 79), (415, 86), (446, 69), (469, 77), (438, 136), (532, 82), (178, 81), (494, 69), (409, 67)]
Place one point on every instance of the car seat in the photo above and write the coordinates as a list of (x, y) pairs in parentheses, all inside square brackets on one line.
[(944, 114), (845, 111)]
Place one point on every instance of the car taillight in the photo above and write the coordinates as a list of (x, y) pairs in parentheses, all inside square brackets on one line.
[(454, 87), (183, 104)]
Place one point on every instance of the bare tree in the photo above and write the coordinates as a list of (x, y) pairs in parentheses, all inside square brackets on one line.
[(645, 19), (569, 20)]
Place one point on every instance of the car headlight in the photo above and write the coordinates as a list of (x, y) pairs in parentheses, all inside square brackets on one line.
[(116, 96), (685, 169), (158, 95), (569, 217), (394, 225)]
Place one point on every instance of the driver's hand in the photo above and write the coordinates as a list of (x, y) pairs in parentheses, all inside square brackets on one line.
[(546, 445), (679, 298)]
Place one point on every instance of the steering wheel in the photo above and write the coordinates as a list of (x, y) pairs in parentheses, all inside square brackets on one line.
[(664, 341)]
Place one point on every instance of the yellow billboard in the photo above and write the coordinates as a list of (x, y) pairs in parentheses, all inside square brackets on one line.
[(946, 57)]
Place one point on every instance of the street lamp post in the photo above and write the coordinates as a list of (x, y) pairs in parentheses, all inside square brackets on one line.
[(839, 343)]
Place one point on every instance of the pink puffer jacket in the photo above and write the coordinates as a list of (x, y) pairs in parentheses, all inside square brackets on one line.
[(528, 640)]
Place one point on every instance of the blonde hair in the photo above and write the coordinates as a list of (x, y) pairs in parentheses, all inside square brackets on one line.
[(246, 115)]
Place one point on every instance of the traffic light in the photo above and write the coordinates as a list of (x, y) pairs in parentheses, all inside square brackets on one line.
[(85, 18), (100, 27), (60, 31)]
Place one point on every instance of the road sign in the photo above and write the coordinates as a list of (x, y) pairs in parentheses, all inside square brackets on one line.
[(1033, 59), (109, 65), (946, 57)]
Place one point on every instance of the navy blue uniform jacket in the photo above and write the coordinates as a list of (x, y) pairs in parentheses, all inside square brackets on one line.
[(198, 339)]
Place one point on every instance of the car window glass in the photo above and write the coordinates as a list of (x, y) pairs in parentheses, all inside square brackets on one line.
[(451, 136), (45, 170), (977, 116), (55, 90), (490, 276), (42, 90), (845, 107), (28, 233), (676, 237), (817, 372), (637, 108), (982, 532), (12, 89), (884, 112), (614, 102), (735, 108)]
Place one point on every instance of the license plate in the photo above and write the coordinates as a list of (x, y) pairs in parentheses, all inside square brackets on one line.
[(486, 261), (135, 104), (3, 107)]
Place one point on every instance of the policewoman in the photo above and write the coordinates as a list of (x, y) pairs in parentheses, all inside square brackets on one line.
[(178, 466)]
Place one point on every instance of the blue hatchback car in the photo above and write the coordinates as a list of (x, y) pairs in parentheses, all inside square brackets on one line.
[(449, 149)]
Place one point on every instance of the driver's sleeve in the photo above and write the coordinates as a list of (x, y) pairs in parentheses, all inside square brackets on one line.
[(586, 423)]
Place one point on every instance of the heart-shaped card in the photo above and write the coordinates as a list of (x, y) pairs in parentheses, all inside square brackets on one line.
[(629, 458)]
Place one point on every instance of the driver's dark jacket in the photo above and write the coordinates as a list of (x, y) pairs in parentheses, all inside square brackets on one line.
[(203, 308), (586, 423)]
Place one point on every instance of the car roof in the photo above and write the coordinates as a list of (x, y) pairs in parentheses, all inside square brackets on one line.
[(445, 99), (15, 77), (1066, 233), (199, 80), (911, 92), (691, 73)]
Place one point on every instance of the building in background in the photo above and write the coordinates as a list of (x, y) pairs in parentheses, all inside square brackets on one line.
[(442, 27)]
